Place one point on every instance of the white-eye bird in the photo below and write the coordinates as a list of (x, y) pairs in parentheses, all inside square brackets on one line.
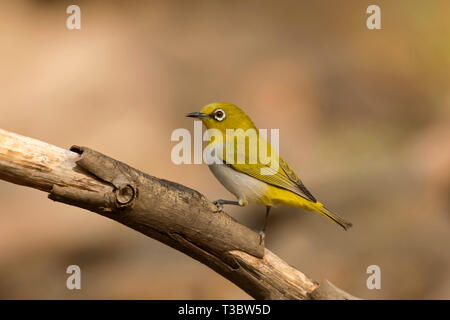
[(245, 179)]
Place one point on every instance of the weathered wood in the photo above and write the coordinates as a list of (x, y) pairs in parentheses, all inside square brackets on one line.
[(166, 211), (40, 165)]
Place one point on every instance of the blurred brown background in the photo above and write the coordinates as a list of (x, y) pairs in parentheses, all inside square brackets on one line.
[(364, 119)]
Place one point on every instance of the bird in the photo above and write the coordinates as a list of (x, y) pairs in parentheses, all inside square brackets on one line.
[(247, 180)]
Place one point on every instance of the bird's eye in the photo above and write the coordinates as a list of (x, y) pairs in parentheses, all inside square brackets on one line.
[(219, 115)]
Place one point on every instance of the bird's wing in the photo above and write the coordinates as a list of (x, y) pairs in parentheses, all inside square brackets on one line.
[(276, 173)]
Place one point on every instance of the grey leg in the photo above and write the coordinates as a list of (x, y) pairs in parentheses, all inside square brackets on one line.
[(219, 204), (262, 233)]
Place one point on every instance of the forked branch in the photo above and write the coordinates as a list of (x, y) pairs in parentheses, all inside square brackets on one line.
[(166, 211)]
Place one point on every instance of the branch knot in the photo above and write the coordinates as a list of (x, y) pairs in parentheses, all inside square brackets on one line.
[(125, 195)]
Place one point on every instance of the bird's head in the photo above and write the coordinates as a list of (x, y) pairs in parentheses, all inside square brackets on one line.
[(222, 116)]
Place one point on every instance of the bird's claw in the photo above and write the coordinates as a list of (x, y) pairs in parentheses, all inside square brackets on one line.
[(219, 206), (262, 236)]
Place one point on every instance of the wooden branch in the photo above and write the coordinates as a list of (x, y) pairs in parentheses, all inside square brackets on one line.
[(166, 211)]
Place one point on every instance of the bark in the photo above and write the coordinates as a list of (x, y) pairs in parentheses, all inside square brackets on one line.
[(166, 211)]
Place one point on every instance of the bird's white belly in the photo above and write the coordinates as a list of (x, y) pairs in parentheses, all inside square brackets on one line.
[(243, 186)]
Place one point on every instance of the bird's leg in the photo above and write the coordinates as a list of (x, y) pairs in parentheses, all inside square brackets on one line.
[(219, 204), (262, 234)]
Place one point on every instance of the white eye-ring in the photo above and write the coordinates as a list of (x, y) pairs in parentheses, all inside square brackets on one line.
[(219, 114)]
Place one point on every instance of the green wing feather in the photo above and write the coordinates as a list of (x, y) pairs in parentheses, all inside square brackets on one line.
[(277, 174)]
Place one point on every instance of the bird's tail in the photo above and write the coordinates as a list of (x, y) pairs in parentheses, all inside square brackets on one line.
[(332, 216)]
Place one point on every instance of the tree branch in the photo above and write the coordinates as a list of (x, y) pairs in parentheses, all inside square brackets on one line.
[(166, 211)]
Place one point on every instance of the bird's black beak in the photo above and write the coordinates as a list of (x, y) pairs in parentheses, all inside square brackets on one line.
[(197, 115)]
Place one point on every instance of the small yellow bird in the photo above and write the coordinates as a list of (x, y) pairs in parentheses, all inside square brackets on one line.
[(245, 179)]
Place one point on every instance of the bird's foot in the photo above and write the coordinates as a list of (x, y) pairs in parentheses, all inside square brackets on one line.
[(219, 206), (262, 236)]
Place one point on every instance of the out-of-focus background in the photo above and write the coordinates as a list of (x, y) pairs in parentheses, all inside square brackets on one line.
[(364, 119)]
